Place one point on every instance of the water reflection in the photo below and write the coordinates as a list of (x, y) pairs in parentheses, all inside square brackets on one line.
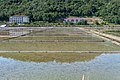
[(103, 67), (47, 57)]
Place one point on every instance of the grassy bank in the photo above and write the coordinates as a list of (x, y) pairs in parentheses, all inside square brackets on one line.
[(111, 31), (59, 46), (58, 38)]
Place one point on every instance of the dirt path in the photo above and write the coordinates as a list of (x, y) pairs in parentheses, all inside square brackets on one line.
[(113, 39)]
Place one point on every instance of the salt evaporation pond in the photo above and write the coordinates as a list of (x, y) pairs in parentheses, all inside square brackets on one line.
[(103, 67)]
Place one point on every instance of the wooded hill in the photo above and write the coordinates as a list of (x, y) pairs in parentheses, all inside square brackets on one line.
[(53, 10)]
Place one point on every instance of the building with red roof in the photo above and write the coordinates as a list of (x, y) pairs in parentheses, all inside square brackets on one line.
[(78, 19)]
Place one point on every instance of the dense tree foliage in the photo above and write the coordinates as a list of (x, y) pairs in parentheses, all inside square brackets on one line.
[(55, 10)]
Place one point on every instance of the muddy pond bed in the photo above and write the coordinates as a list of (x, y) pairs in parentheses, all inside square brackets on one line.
[(57, 54), (54, 39)]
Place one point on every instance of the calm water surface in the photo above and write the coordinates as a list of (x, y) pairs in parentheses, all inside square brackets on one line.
[(103, 67)]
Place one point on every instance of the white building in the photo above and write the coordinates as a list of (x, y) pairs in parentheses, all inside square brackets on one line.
[(19, 19), (73, 20), (89, 20)]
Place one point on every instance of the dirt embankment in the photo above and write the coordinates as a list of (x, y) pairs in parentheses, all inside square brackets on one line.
[(114, 39)]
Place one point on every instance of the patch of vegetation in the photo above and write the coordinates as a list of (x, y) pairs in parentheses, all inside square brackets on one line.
[(113, 32), (3, 38), (46, 57), (58, 38), (56, 10), (58, 46)]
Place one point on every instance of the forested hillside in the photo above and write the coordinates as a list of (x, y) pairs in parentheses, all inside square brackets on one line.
[(53, 10)]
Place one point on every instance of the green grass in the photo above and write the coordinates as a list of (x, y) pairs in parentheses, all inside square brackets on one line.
[(59, 46), (46, 57), (58, 38), (62, 35), (47, 34), (3, 38), (113, 33)]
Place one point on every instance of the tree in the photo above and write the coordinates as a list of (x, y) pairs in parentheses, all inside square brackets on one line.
[(54, 10)]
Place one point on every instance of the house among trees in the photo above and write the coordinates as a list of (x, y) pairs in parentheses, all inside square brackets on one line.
[(73, 20), (19, 19), (93, 20)]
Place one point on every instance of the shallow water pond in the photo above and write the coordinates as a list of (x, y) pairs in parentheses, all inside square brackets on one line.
[(103, 67)]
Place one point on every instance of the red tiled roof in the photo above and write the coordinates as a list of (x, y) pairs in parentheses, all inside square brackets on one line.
[(77, 18), (73, 18)]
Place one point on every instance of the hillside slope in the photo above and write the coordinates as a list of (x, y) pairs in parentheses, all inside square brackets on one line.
[(52, 10)]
